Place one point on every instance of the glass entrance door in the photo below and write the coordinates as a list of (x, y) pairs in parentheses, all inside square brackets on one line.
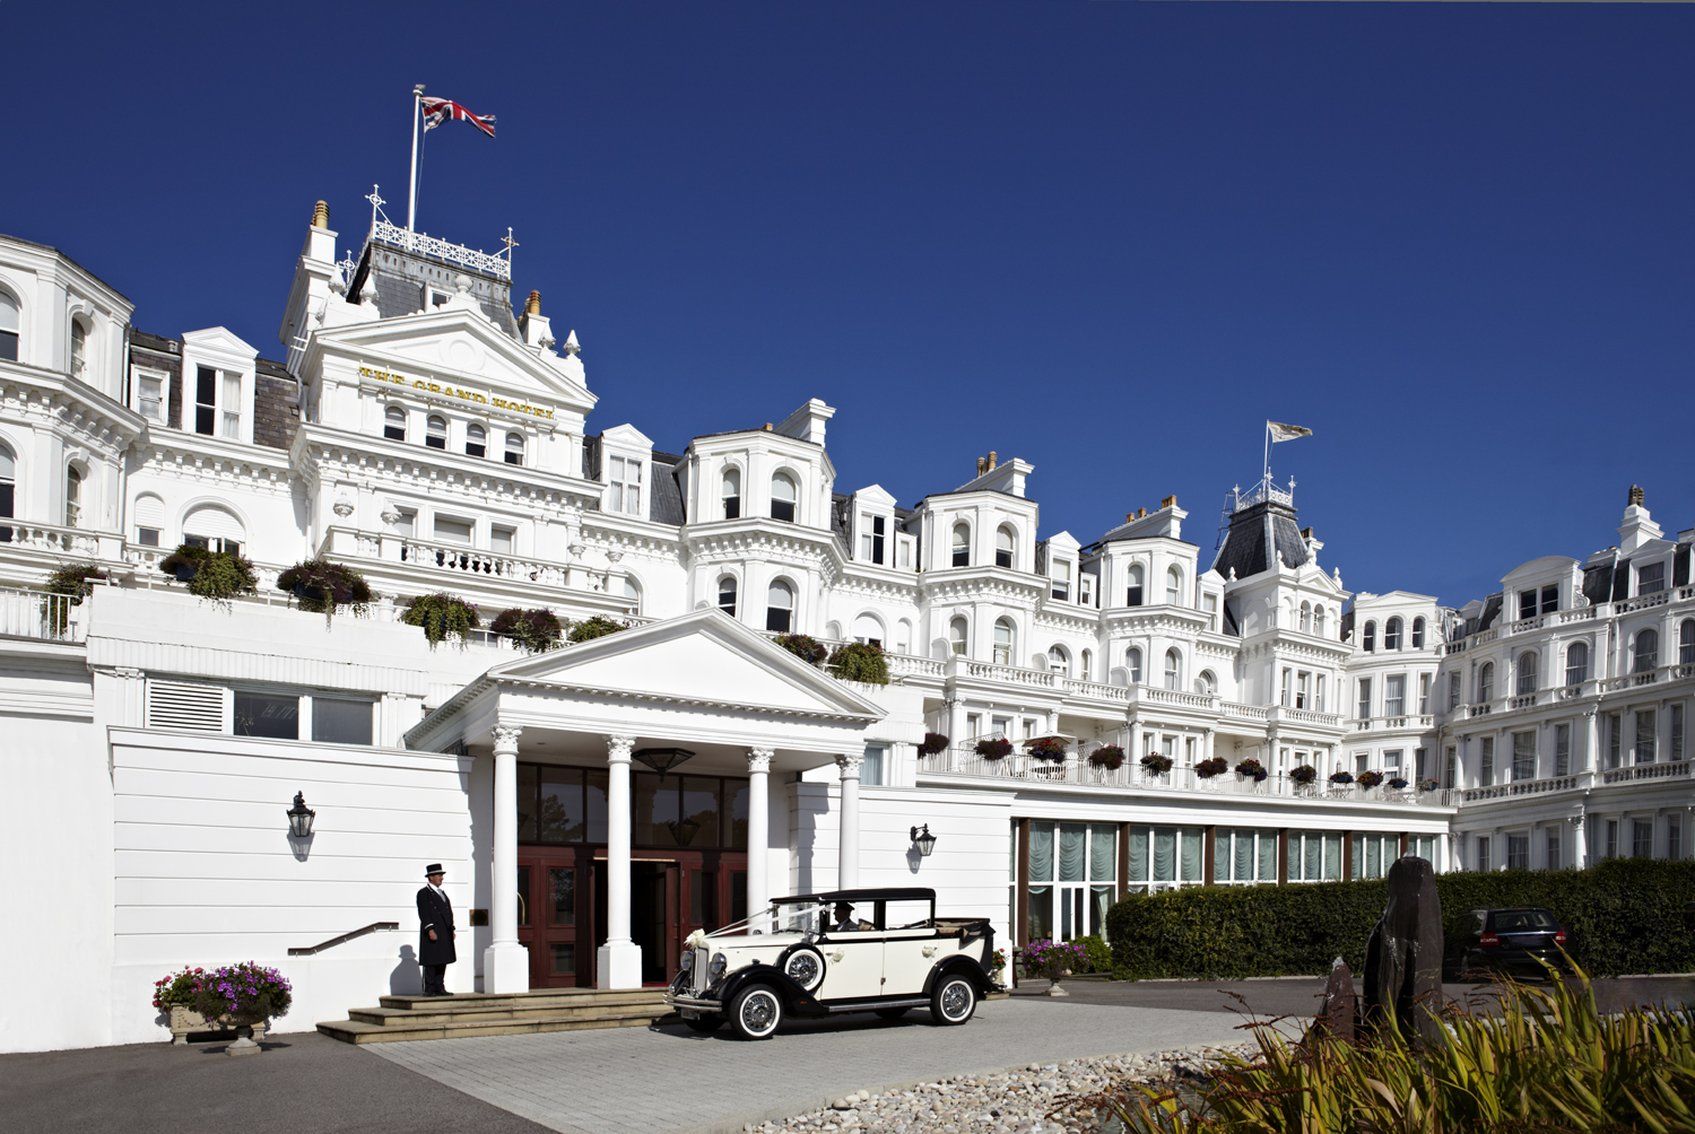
[(552, 899)]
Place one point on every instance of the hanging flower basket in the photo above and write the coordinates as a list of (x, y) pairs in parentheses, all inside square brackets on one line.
[(322, 586), (1212, 766), (1304, 774), (934, 742), (1398, 783), (1048, 748), (1341, 779), (1156, 763), (1108, 756), (1369, 780), (1251, 769), (1427, 785), (994, 748)]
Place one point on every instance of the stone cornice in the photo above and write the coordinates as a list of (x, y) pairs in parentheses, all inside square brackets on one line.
[(321, 451), (47, 395), (218, 462)]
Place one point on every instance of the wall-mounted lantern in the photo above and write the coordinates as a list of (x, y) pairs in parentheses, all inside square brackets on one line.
[(924, 840), (300, 817)]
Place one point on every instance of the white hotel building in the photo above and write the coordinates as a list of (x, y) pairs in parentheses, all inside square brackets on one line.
[(418, 429)]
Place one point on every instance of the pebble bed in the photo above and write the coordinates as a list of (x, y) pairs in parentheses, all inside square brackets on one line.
[(1004, 1102)]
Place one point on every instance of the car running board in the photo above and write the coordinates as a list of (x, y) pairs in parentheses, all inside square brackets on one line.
[(900, 1002)]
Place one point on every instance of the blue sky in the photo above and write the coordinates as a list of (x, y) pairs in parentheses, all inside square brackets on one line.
[(1112, 239)]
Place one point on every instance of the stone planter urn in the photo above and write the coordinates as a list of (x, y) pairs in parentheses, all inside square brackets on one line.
[(1053, 983), (186, 1021)]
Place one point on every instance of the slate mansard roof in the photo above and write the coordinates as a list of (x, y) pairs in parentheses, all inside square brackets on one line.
[(1261, 535)]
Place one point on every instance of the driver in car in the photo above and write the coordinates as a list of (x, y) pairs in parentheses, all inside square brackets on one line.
[(843, 921)]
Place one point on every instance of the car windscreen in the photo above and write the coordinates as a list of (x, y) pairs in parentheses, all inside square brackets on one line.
[(1522, 921)]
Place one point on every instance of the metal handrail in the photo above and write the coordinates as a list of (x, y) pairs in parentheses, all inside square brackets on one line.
[(374, 927)]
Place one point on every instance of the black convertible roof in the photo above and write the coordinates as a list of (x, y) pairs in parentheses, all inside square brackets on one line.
[(878, 894)]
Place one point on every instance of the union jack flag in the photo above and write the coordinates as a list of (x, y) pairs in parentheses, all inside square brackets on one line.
[(439, 110)]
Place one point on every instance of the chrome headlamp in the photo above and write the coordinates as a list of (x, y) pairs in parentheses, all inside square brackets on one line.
[(688, 960), (715, 968)]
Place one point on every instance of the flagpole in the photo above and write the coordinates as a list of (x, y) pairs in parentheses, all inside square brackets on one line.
[(1268, 454), (412, 193)]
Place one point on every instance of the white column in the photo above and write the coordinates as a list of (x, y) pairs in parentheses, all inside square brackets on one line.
[(618, 964), (758, 828), (1579, 842), (847, 863), (506, 963)]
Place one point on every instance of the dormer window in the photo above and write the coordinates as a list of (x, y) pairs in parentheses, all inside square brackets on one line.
[(394, 423), (438, 297), (961, 545), (1418, 634), (872, 536), (1061, 583), (624, 478), (1650, 578), (730, 492), (435, 431), (1368, 638), (1004, 546), (1532, 601), (217, 402), (476, 441), (1392, 634), (784, 493), (151, 392), (514, 448)]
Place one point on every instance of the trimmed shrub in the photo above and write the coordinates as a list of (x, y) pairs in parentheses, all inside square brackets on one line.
[(594, 626), (323, 587), (440, 615), (860, 661), (535, 630), (803, 646), (1097, 955), (1625, 916)]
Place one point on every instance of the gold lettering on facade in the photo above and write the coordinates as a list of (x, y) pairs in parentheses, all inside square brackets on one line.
[(460, 393)]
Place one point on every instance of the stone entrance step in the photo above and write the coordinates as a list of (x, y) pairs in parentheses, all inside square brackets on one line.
[(497, 1014)]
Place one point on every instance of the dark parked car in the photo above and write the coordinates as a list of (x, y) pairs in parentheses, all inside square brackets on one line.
[(1514, 941)]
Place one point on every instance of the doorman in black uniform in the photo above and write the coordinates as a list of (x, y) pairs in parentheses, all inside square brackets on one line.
[(435, 931)]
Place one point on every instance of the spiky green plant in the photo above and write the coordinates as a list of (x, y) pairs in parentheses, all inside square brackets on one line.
[(440, 615)]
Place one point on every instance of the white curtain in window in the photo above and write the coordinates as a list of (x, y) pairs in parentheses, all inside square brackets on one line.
[(1333, 856), (1103, 852), (1137, 867), (1041, 852), (1071, 852), (1312, 858), (1165, 854), (1194, 845), (1244, 855), (1267, 856)]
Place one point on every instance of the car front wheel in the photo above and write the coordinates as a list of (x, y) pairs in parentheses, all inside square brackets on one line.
[(755, 1013), (954, 1001)]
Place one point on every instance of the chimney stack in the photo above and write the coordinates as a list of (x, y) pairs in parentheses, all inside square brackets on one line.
[(321, 215), (992, 460), (982, 465), (533, 305), (1169, 501), (1637, 496)]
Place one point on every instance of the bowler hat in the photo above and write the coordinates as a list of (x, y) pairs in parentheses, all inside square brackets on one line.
[(433, 868)]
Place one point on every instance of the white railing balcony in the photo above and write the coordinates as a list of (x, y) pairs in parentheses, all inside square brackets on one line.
[(1175, 698), (911, 665), (444, 250), (1642, 602), (1097, 690), (39, 616), (59, 542), (1663, 770), (1234, 710), (1519, 787), (1288, 714), (1008, 674), (470, 564)]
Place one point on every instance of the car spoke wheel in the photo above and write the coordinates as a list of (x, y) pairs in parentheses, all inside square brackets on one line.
[(954, 1001), (805, 966), (756, 1013)]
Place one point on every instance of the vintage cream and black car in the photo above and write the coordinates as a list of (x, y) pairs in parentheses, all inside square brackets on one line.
[(881, 951)]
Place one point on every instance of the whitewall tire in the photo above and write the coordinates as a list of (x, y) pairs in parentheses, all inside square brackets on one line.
[(756, 1013), (805, 966), (954, 1000)]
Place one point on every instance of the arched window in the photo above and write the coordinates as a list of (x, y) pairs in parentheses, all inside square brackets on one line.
[(632, 589), (1206, 684), (73, 497), (1173, 669), (780, 606), (957, 633), (1577, 663), (1319, 619), (1133, 663), (903, 636), (394, 423), (784, 493), (1086, 665), (214, 528), (1004, 641), (868, 628), (727, 594), (1368, 638), (1392, 634), (1527, 682), (514, 448), (8, 489), (1486, 683), (9, 325), (1418, 634), (1306, 617), (730, 492), (1173, 587), (1004, 546), (961, 545), (1058, 660), (476, 440), (1133, 592), (435, 431), (1685, 639), (1646, 655), (148, 516), (79, 349)]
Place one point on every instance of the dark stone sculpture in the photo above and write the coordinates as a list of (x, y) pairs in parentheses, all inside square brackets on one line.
[(1340, 1013), (1403, 959)]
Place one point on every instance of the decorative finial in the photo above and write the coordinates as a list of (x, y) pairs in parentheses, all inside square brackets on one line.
[(377, 204), (1637, 496), (533, 305), (510, 244), (572, 346), (321, 215)]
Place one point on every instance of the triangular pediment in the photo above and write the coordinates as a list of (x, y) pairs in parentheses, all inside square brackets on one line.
[(701, 657), (458, 346)]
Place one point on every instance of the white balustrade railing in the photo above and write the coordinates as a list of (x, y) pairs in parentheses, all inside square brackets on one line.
[(1518, 788), (57, 540), (444, 250), (1665, 770), (39, 615)]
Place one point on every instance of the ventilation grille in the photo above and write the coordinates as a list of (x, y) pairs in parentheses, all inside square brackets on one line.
[(173, 705)]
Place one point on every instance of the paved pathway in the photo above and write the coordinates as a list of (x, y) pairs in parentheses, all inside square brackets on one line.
[(660, 1080)]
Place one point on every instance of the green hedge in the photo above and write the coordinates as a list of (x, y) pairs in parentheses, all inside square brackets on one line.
[(1625, 915)]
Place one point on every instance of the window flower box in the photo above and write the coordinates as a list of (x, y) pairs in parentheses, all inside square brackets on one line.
[(1212, 766), (187, 1022), (1251, 769), (1050, 749), (1369, 780), (934, 742), (1107, 756), (1156, 763), (994, 748), (1341, 779), (1303, 775)]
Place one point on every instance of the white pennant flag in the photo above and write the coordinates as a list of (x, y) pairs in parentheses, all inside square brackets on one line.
[(1282, 431)]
